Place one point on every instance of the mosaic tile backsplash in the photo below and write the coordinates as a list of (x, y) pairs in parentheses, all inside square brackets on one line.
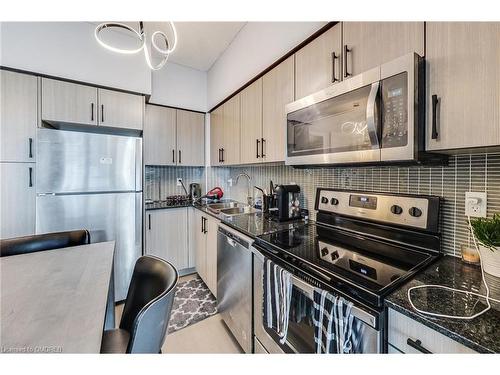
[(476, 172)]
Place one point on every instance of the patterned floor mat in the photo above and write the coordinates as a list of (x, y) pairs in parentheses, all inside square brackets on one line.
[(193, 302)]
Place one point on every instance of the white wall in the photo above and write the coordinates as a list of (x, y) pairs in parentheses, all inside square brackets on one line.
[(69, 50), (179, 86), (257, 46)]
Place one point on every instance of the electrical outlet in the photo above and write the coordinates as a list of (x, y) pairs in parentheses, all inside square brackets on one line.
[(179, 180), (230, 182), (475, 204)]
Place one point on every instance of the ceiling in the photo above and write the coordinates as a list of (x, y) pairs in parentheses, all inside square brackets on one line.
[(199, 43)]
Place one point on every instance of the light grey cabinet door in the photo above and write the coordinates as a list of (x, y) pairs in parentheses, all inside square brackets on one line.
[(371, 44), (18, 117), (17, 198), (251, 123), (190, 138), (160, 136), (198, 242), (231, 131), (68, 102), (318, 64), (216, 135), (167, 236), (211, 227), (463, 72), (120, 110)]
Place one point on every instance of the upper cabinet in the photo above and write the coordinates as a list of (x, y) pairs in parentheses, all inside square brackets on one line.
[(173, 137), (251, 140), (369, 44), (159, 135), (81, 104), (120, 110), (68, 102), (18, 117), (190, 138), (318, 64), (463, 84), (225, 133), (277, 92)]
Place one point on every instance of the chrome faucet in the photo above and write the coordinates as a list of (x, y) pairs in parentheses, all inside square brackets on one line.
[(249, 179)]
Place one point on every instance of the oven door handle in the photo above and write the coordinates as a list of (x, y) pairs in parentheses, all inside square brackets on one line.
[(371, 115)]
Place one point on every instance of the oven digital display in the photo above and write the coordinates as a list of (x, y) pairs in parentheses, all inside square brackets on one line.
[(363, 201)]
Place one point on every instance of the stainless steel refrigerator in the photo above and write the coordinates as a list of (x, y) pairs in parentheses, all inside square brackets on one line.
[(92, 181)]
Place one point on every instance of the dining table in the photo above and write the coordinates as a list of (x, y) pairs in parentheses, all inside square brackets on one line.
[(57, 301)]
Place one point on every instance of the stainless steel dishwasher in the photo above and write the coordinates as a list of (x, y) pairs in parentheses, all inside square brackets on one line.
[(234, 284)]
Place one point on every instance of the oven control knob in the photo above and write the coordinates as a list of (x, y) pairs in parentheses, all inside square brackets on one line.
[(324, 200), (396, 210), (334, 201), (415, 212)]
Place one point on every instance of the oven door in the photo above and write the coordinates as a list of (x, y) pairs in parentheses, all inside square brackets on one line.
[(300, 337), (337, 125)]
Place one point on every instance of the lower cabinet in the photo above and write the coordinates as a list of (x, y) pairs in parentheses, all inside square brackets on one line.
[(409, 336), (203, 244), (167, 235), (17, 199)]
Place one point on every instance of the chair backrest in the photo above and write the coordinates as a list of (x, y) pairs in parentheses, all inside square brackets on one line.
[(149, 301), (41, 242)]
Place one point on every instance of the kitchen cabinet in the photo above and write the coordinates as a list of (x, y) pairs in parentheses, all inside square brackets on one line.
[(18, 117), (173, 137), (120, 110), (277, 92), (17, 199), (216, 136), (167, 235), (225, 133), (409, 336), (463, 78), (81, 104), (190, 138), (319, 63), (251, 123), (160, 135), (369, 44), (68, 102), (203, 235)]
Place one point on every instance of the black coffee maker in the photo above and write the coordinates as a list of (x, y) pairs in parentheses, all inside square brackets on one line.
[(287, 205)]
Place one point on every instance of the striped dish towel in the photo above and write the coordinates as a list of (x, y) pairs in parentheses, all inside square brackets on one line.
[(277, 294), (332, 323)]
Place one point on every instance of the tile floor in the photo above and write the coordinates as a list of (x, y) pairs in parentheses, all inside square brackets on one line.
[(208, 336)]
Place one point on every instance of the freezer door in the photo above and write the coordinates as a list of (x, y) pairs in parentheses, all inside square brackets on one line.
[(112, 216), (70, 162)]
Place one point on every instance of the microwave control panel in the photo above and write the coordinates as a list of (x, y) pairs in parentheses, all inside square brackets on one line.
[(395, 111)]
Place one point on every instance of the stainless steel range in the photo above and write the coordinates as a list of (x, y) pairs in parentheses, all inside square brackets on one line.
[(362, 247)]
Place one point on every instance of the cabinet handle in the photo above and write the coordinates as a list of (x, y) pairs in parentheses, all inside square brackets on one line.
[(418, 346), (30, 171), (149, 221), (334, 77), (434, 116), (222, 153), (102, 112), (180, 158), (30, 145), (173, 156), (202, 224), (91, 111), (263, 141), (258, 148), (346, 52), (205, 226)]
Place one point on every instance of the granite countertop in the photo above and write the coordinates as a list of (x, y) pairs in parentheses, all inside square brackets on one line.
[(481, 334)]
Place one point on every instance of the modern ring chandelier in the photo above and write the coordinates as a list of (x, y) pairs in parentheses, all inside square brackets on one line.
[(157, 36)]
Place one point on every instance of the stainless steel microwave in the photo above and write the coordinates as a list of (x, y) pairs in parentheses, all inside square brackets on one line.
[(374, 117)]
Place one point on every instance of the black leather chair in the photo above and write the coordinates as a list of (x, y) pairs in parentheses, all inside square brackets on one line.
[(146, 313), (42, 242)]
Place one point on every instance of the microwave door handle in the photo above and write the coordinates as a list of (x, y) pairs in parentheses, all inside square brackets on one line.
[(371, 120)]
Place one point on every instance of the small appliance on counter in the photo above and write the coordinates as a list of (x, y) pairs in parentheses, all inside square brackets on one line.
[(214, 194), (287, 203), (194, 191)]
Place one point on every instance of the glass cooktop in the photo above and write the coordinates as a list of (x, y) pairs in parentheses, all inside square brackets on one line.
[(365, 262)]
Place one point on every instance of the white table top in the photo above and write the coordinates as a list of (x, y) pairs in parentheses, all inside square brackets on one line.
[(55, 301)]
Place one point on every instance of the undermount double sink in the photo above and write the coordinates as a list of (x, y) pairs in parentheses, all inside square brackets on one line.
[(231, 208)]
